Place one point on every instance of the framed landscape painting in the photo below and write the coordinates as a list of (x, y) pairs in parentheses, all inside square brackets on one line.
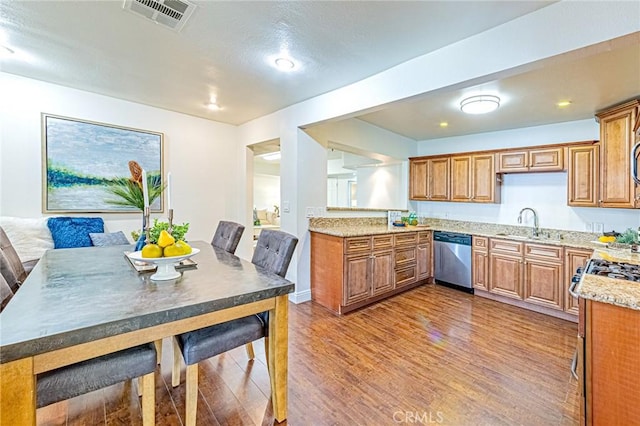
[(84, 160)]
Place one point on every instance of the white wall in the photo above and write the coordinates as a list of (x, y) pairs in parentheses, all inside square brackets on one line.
[(266, 191), (201, 154), (545, 192), (382, 187)]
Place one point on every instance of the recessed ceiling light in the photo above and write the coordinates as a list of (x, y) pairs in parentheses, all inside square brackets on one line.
[(563, 104), (284, 64), (480, 104), (213, 106), (444, 124)]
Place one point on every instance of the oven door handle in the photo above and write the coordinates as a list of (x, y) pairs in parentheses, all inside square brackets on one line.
[(574, 365), (572, 289), (635, 154)]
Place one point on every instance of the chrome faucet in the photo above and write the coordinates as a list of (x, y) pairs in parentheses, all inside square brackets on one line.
[(536, 228)]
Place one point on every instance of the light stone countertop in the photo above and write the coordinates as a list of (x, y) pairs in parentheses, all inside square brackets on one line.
[(601, 289)]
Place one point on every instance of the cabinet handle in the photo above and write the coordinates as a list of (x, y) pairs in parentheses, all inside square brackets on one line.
[(572, 289), (574, 365)]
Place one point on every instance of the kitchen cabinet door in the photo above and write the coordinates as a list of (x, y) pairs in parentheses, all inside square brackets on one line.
[(574, 259), (505, 275), (480, 270), (423, 261), (617, 189), (583, 176), (543, 283), (546, 159), (483, 179), (357, 281), (513, 161), (418, 180), (381, 272), (461, 182), (438, 170)]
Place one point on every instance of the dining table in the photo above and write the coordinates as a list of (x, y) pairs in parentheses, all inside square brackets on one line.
[(80, 303)]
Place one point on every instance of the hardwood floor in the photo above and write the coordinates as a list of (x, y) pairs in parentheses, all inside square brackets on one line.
[(432, 355)]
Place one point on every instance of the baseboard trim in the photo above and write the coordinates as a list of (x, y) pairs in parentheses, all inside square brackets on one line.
[(300, 297)]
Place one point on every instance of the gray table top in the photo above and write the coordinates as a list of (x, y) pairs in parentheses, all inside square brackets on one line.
[(79, 295)]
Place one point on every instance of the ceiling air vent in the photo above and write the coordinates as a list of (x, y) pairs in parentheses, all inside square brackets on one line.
[(170, 13)]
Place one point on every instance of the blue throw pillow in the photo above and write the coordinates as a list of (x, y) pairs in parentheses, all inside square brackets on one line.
[(108, 239), (69, 232)]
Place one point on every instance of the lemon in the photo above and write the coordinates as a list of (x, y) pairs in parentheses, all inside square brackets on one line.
[(179, 248), (151, 250), (165, 239), (606, 239)]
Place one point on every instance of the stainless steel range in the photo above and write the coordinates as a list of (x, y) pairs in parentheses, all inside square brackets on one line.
[(618, 270)]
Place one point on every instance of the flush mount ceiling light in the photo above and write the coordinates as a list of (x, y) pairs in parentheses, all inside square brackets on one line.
[(284, 64), (480, 104)]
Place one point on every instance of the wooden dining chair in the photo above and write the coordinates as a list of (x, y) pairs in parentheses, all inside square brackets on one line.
[(273, 252), (227, 236), (13, 264), (93, 374)]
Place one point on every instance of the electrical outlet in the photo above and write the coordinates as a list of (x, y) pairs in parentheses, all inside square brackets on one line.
[(598, 227), (285, 207), (309, 211), (320, 211), (588, 227)]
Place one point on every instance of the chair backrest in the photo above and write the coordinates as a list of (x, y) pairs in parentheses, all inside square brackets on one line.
[(12, 262), (5, 292), (227, 236), (274, 251)]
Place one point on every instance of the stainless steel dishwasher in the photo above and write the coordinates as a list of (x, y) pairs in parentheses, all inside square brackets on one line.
[(452, 258)]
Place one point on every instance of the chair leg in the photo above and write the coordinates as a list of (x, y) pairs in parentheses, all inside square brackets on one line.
[(175, 371), (249, 348), (266, 351), (158, 344), (191, 395), (148, 400)]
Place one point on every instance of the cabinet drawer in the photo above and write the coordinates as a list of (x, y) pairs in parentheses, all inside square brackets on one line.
[(550, 253), (424, 237), (506, 246), (405, 256), (382, 242), (405, 239), (406, 276), (480, 243), (357, 244)]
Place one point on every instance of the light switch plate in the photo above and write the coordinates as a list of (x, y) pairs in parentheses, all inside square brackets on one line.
[(598, 227), (285, 207), (588, 227), (309, 211)]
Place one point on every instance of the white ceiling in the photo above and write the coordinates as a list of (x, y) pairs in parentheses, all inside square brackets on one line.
[(224, 47)]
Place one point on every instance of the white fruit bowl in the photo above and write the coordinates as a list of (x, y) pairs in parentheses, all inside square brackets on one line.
[(166, 265)]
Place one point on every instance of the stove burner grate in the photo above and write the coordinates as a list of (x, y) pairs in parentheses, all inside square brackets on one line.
[(618, 270)]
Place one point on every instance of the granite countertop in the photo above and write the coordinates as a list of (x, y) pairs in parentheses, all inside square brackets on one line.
[(74, 296), (601, 289), (611, 290)]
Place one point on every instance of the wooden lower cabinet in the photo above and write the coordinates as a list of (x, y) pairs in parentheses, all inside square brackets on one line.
[(480, 263), (530, 275), (544, 275), (611, 364), (348, 273)]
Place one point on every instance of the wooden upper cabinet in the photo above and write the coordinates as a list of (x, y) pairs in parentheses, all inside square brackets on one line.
[(473, 178), (549, 159), (484, 188), (617, 189), (438, 179), (583, 175), (513, 161), (461, 180), (429, 179), (418, 179)]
